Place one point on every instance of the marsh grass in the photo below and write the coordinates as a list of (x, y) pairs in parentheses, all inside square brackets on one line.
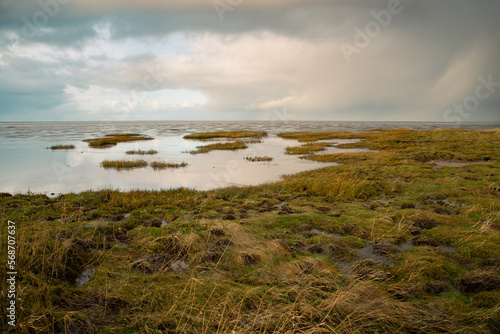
[(164, 165), (142, 152), (115, 138), (61, 147), (259, 159), (123, 164), (226, 134), (342, 157), (255, 262), (307, 148), (230, 146)]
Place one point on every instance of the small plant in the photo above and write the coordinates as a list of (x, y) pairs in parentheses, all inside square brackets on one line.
[(141, 152), (259, 159), (115, 138), (164, 165), (123, 164), (62, 147)]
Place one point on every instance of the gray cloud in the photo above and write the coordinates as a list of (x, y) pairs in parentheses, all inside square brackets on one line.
[(262, 55)]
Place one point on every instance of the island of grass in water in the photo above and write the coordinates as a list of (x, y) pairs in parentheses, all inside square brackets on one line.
[(404, 238)]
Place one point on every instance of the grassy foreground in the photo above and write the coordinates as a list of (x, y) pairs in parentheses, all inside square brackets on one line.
[(388, 242)]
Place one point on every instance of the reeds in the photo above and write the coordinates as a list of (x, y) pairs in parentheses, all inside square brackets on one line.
[(142, 152), (259, 159), (115, 138), (230, 146), (123, 164), (164, 165), (62, 147)]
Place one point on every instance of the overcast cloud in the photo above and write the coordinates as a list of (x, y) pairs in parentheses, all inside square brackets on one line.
[(242, 59)]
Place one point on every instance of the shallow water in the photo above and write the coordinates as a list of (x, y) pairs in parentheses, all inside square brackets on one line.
[(27, 164)]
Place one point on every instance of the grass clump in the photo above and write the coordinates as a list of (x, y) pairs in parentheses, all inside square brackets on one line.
[(226, 134), (62, 147), (231, 146), (164, 165), (307, 148), (115, 138), (259, 159), (142, 152), (123, 164)]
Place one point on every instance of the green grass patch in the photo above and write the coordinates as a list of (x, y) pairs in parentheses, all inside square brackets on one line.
[(307, 148), (142, 152), (115, 138), (259, 159), (230, 146)]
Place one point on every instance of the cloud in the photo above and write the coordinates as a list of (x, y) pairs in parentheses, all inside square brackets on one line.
[(154, 58)]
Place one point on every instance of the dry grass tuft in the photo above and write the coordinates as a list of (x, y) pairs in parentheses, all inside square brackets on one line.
[(142, 152), (62, 147), (259, 159), (164, 165), (123, 164)]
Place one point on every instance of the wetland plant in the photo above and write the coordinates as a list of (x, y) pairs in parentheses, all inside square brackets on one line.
[(123, 164)]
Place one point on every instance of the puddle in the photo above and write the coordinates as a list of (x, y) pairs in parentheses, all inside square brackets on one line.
[(312, 232), (406, 245), (367, 253), (447, 202), (179, 266), (85, 277), (333, 235), (456, 164), (387, 200), (447, 249)]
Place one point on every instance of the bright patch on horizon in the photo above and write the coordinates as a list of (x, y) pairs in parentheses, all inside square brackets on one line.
[(97, 98)]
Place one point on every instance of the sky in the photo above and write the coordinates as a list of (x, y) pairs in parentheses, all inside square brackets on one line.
[(359, 60)]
